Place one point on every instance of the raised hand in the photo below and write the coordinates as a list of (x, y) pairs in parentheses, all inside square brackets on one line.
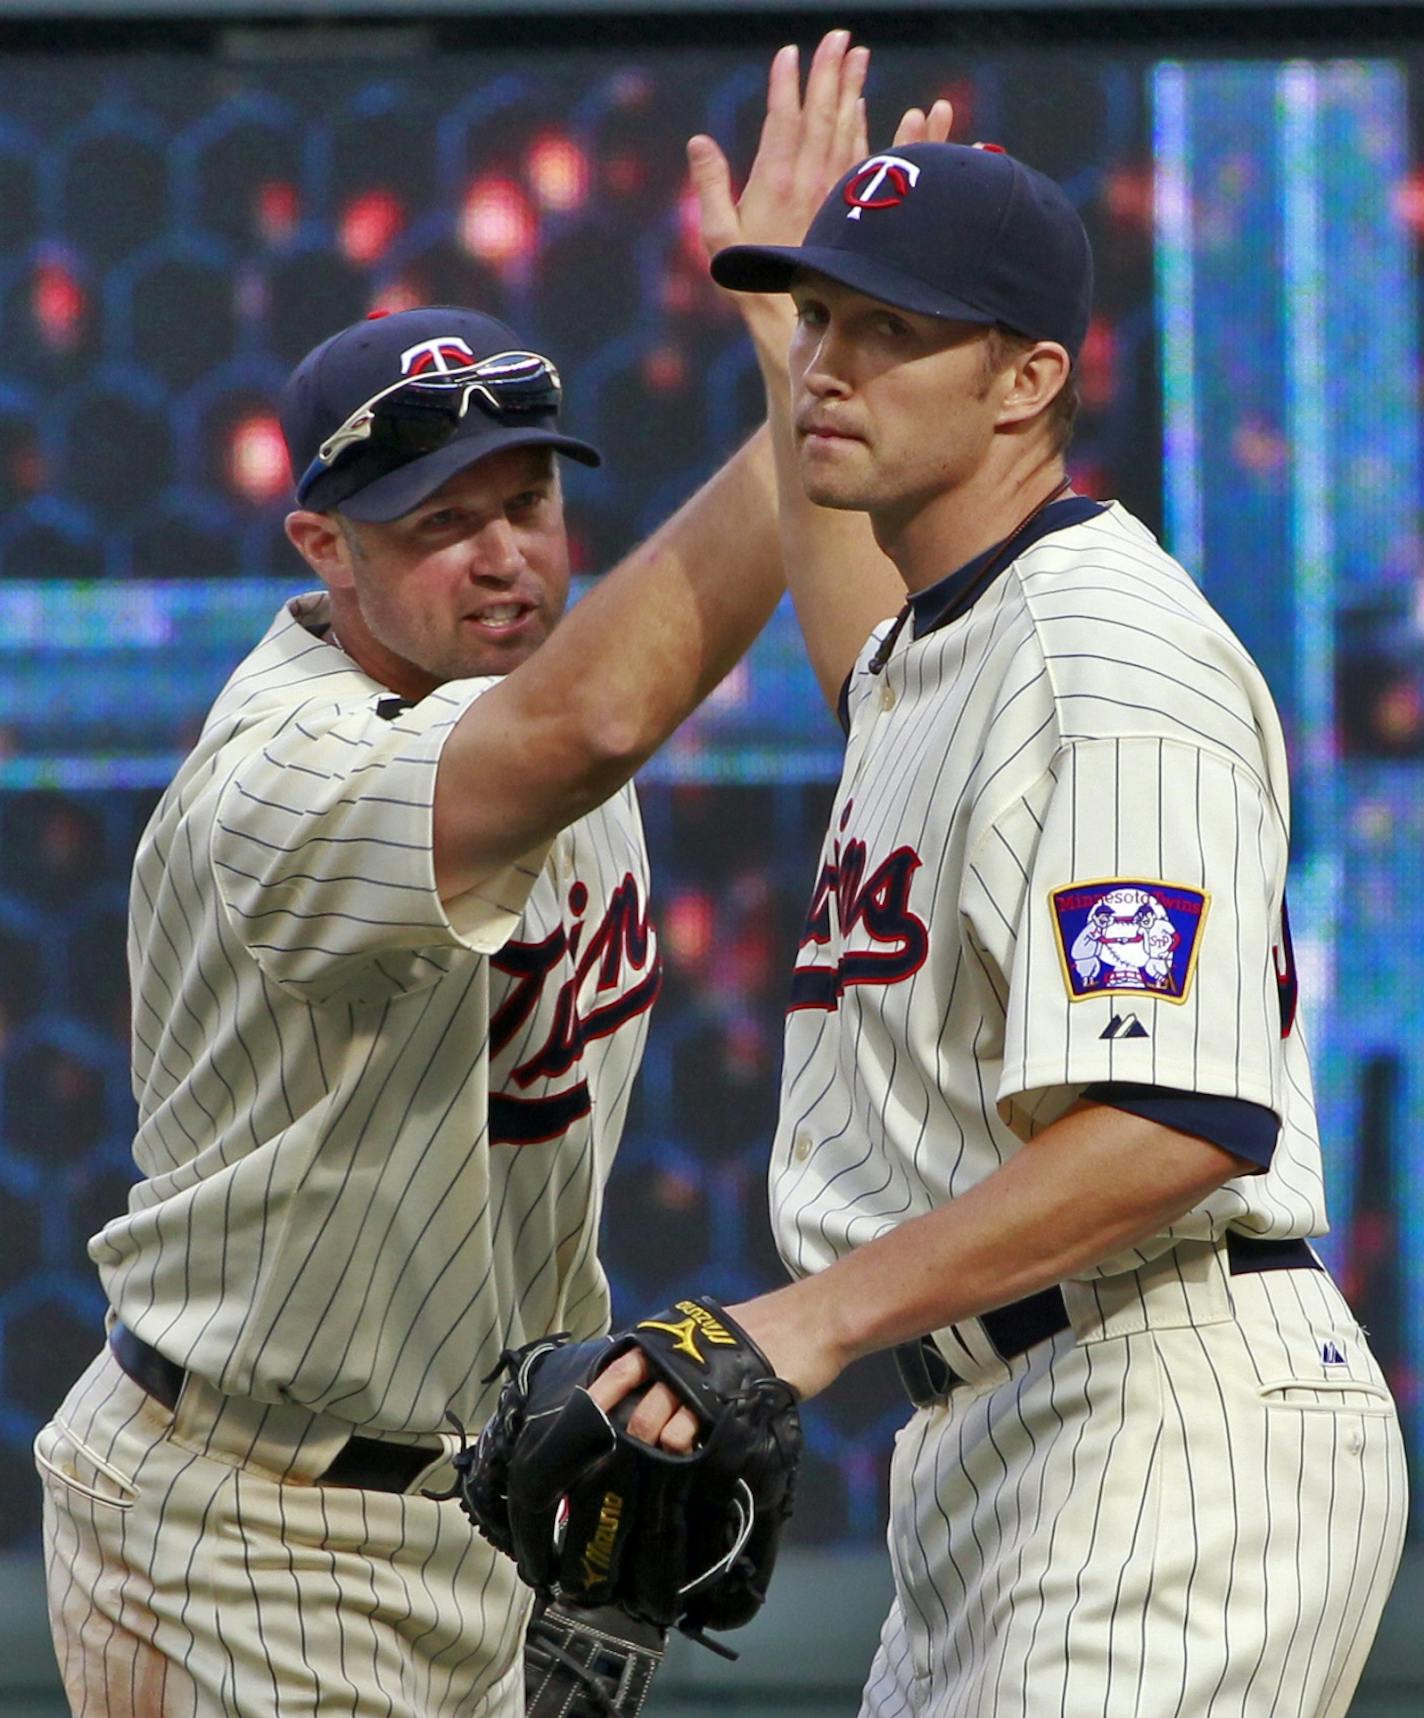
[(805, 146)]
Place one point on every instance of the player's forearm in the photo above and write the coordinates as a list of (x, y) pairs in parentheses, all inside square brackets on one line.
[(841, 584), (1095, 1183), (615, 678)]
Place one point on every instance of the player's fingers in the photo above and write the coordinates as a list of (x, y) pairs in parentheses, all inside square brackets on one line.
[(712, 183), (822, 102), (622, 1375), (861, 145), (850, 112), (911, 128), (681, 1432), (653, 1413), (781, 129), (939, 121)]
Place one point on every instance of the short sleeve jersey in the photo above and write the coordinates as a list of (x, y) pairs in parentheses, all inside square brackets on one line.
[(1057, 858), (374, 1126)]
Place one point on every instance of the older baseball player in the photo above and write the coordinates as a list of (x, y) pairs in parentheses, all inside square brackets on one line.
[(392, 964), (1046, 1126)]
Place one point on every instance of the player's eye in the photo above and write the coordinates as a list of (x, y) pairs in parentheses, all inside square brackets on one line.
[(810, 314)]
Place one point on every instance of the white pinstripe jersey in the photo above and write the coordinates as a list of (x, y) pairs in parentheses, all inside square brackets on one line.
[(374, 1128), (1057, 857)]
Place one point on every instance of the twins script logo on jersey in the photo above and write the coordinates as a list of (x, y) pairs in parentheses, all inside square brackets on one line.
[(882, 182), (880, 942), (1119, 934), (621, 958)]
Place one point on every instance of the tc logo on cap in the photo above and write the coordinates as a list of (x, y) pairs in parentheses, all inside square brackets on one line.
[(447, 353), (882, 182)]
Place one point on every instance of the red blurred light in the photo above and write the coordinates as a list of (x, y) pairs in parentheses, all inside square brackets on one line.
[(278, 209), (578, 550), (679, 291), (59, 304), (1129, 195), (1409, 202), (369, 223), (960, 96), (1097, 365), (624, 173), (496, 224), (665, 370), (689, 227), (559, 172), (1259, 446), (396, 295), (256, 461), (685, 928), (1090, 480)]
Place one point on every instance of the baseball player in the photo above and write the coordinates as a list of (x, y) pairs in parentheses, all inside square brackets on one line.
[(1046, 1124), (392, 964)]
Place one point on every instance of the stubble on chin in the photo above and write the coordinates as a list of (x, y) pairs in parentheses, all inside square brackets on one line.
[(838, 496)]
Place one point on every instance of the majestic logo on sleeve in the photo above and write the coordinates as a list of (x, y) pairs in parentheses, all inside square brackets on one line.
[(1124, 936), (882, 182), (874, 939)]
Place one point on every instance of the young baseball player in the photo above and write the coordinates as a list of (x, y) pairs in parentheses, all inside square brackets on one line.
[(392, 965), (1046, 1127)]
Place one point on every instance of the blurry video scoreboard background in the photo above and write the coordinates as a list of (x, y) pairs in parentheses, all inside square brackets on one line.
[(177, 227)]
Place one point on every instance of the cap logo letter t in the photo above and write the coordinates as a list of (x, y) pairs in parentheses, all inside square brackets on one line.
[(438, 356), (880, 183)]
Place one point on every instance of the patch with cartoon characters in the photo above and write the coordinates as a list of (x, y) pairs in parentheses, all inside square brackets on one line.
[(1123, 934)]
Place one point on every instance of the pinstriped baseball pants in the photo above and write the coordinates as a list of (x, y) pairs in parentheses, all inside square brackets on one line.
[(182, 1586), (1198, 1518)]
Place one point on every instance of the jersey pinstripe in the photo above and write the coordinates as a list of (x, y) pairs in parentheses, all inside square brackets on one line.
[(1089, 719), (373, 1128)]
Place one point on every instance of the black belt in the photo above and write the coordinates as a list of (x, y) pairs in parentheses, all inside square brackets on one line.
[(366, 1464), (928, 1377)]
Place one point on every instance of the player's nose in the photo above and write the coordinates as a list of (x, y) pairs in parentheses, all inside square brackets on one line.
[(824, 376), (824, 370), (494, 552)]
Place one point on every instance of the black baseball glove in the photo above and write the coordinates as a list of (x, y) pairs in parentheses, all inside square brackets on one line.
[(594, 1517)]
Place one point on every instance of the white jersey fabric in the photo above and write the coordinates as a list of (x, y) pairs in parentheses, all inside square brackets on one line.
[(1057, 860), (374, 1130)]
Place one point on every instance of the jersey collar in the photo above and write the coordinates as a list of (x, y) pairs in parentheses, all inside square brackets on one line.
[(946, 600)]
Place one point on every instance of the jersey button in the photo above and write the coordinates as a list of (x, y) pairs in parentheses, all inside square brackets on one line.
[(802, 1148), (887, 696)]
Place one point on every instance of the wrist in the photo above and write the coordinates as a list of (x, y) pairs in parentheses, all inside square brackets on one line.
[(770, 320)]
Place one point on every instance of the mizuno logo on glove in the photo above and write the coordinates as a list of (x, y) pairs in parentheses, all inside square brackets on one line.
[(685, 1330), (597, 1558)]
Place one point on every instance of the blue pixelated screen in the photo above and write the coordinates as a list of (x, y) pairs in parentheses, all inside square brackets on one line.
[(177, 230)]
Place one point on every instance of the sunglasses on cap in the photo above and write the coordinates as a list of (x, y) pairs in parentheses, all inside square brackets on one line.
[(419, 414)]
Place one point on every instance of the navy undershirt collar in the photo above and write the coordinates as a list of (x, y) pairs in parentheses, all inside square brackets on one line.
[(948, 598)]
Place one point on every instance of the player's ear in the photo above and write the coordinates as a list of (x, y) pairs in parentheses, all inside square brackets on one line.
[(1040, 373), (322, 543)]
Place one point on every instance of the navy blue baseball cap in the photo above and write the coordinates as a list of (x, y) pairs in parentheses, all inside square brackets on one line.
[(415, 368), (942, 229)]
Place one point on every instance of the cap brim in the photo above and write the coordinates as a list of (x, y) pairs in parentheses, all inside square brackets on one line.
[(776, 268), (395, 493)]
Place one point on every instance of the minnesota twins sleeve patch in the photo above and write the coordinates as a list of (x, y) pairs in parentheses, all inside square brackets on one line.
[(1122, 934)]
